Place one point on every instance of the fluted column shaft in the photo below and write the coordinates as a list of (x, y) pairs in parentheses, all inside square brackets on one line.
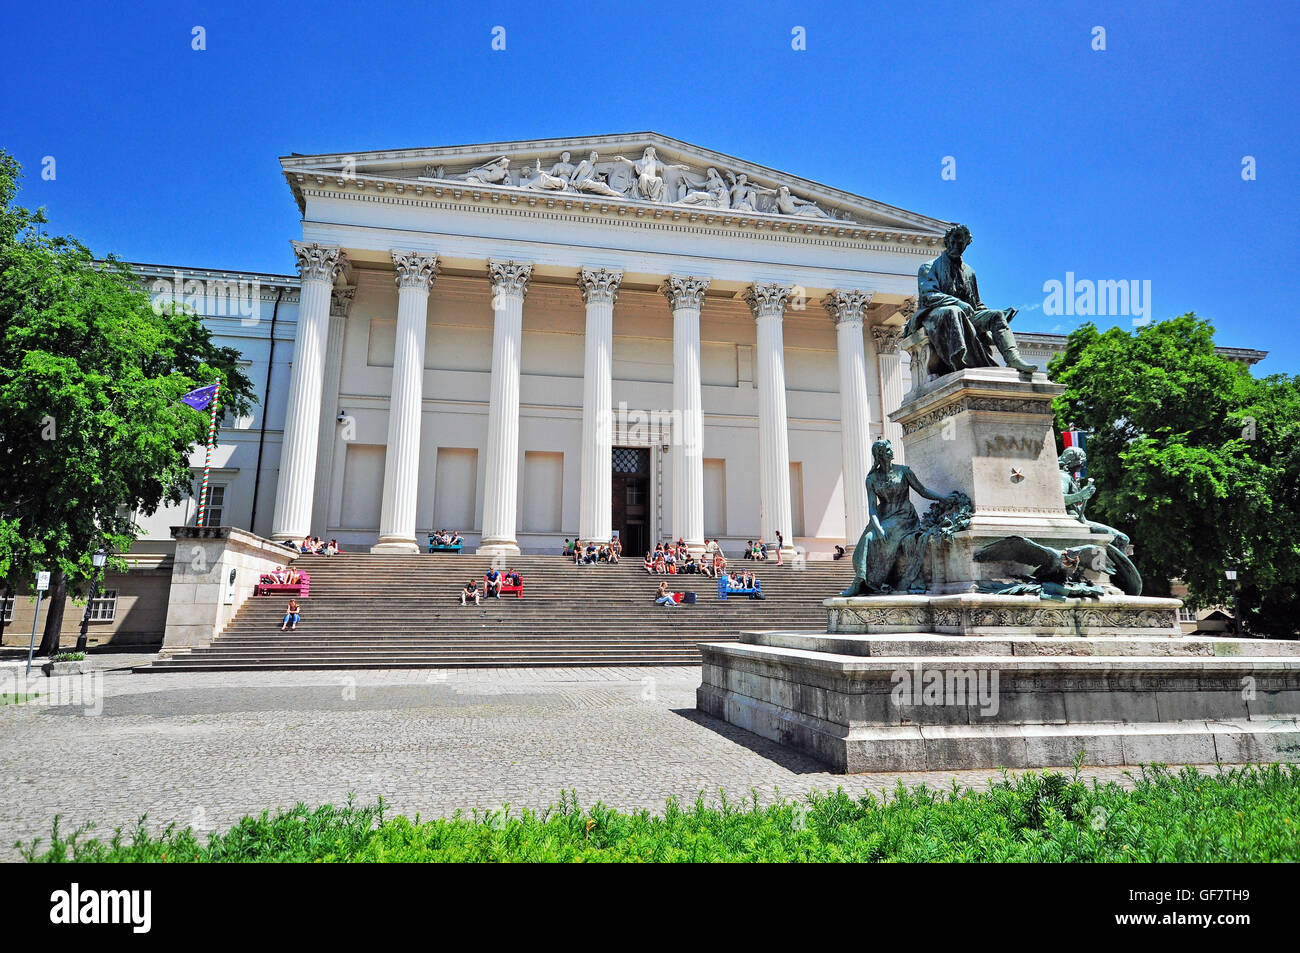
[(848, 310), (318, 266), (891, 383), (414, 275), (599, 288), (767, 302), (501, 474), (686, 297), (340, 302)]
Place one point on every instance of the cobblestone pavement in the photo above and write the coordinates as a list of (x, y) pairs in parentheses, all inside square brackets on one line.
[(204, 749)]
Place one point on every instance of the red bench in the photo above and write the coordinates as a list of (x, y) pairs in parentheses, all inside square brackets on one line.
[(301, 588), (505, 586)]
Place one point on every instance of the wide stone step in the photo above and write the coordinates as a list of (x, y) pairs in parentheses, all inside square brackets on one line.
[(379, 611)]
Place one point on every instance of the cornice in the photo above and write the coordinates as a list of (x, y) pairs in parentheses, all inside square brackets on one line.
[(484, 199), (168, 271)]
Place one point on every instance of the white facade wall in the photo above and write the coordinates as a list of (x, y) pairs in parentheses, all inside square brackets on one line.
[(234, 459)]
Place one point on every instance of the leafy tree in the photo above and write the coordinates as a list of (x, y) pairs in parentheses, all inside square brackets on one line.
[(90, 378), (1195, 459)]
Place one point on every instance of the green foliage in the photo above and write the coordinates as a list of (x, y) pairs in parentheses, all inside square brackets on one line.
[(1245, 814), (1198, 461), (90, 376), (68, 657)]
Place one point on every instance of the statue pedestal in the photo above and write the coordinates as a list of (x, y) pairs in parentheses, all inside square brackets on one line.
[(929, 702), (988, 432), (958, 678)]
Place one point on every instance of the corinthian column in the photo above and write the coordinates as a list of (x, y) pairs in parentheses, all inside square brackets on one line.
[(340, 303), (414, 275), (686, 296), (891, 382), (501, 475), (599, 288), (318, 266), (767, 302), (847, 310)]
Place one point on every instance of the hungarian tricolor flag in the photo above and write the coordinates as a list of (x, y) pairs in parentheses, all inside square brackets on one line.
[(1076, 438)]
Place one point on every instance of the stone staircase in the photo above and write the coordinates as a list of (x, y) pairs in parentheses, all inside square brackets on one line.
[(385, 611)]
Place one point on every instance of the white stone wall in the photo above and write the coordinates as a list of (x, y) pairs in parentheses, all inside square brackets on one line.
[(197, 610), (234, 459)]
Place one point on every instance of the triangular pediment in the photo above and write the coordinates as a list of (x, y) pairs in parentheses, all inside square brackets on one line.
[(642, 168)]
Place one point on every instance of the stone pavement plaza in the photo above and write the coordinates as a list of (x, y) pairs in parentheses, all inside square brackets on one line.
[(204, 749)]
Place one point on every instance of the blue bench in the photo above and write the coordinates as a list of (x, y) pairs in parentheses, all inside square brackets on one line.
[(724, 590), (446, 548)]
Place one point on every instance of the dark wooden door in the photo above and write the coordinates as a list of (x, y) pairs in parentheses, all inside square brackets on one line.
[(630, 498)]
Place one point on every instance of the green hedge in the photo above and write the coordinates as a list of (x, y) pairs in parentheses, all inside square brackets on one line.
[(1244, 814)]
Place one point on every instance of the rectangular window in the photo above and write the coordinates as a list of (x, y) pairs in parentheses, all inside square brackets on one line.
[(1186, 615), (8, 608), (103, 608), (216, 504)]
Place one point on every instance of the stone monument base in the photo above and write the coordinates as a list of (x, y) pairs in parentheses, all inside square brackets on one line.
[(961, 677), (1000, 615), (912, 701)]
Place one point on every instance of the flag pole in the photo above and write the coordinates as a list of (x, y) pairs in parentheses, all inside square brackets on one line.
[(207, 460)]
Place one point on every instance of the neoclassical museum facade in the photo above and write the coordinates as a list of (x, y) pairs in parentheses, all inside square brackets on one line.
[(526, 341)]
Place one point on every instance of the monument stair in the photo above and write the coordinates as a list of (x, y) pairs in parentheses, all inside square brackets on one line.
[(400, 611)]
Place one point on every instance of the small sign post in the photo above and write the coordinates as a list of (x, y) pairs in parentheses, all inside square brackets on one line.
[(42, 584)]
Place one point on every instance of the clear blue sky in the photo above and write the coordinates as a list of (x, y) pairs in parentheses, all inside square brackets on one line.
[(1114, 165)]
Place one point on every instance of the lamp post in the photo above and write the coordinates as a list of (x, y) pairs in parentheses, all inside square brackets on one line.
[(1231, 576), (98, 560)]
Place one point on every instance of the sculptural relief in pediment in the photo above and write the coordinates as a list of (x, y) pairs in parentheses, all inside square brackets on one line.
[(643, 178)]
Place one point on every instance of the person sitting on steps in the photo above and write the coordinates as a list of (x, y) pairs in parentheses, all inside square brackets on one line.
[(293, 615), (664, 597), (493, 583), (470, 592)]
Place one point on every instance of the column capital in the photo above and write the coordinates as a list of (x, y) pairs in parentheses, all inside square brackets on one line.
[(684, 291), (907, 309), (509, 277), (847, 307), (318, 262), (341, 300), (767, 301), (887, 338), (414, 270), (599, 285)]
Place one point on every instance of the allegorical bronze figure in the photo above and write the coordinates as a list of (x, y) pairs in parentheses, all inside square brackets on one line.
[(890, 556), (961, 329), (1125, 575)]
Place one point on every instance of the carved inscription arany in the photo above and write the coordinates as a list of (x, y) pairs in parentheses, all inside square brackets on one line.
[(1004, 446)]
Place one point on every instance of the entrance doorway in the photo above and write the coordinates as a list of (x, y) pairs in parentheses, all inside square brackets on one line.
[(630, 496)]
